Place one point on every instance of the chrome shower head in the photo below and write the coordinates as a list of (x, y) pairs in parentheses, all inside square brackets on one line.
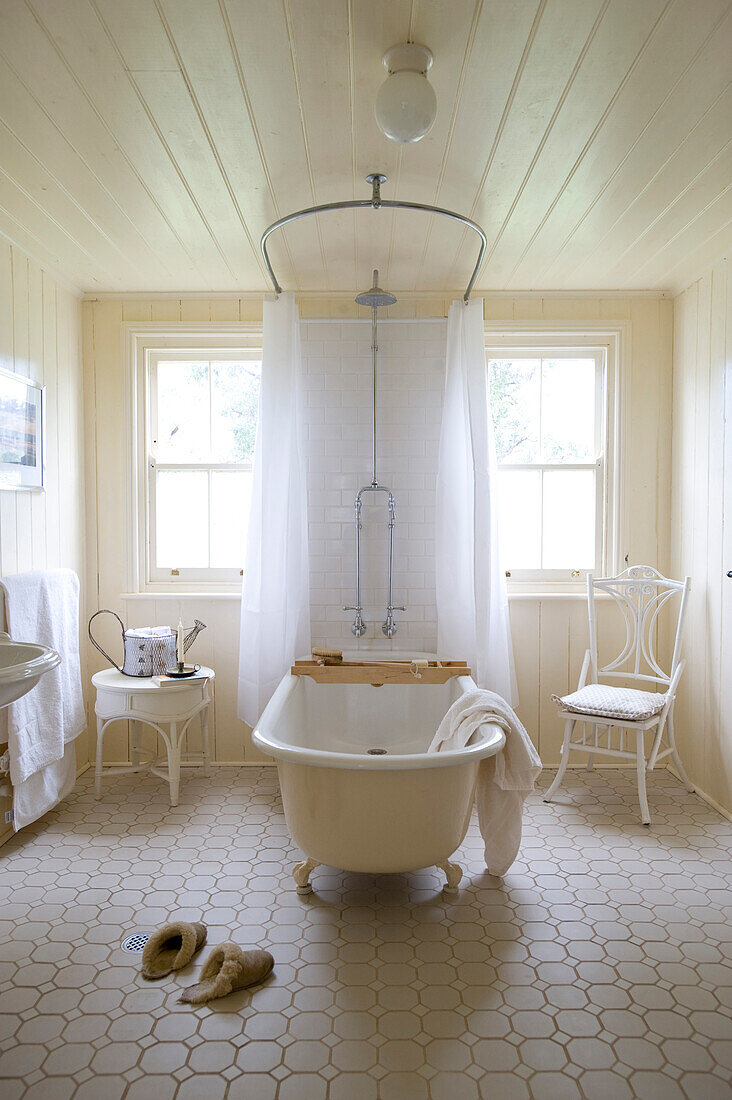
[(376, 297)]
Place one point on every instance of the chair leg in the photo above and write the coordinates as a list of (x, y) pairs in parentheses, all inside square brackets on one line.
[(205, 742), (641, 768), (675, 753), (99, 759), (590, 755), (568, 728)]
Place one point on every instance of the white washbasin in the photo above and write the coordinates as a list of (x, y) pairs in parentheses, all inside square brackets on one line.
[(21, 666)]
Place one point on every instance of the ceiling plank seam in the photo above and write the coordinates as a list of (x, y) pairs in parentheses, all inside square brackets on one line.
[(253, 122), (161, 138), (128, 160), (520, 69), (477, 12), (52, 175), (591, 139), (545, 136), (209, 137), (303, 124), (710, 37)]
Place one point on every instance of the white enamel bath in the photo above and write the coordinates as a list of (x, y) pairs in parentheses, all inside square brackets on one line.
[(395, 809)]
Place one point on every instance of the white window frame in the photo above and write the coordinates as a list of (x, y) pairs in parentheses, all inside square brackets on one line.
[(146, 345), (156, 574), (608, 345)]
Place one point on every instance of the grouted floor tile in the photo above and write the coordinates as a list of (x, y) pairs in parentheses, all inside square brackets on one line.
[(598, 969)]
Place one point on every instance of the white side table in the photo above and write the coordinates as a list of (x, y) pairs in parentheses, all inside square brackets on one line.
[(169, 710)]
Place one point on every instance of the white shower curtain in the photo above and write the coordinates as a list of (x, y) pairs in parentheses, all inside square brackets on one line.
[(472, 606), (275, 603)]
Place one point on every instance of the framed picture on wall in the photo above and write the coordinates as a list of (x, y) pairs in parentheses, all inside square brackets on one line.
[(22, 432)]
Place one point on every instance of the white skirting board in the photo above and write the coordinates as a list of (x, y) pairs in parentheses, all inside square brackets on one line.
[(704, 796), (6, 831), (195, 764)]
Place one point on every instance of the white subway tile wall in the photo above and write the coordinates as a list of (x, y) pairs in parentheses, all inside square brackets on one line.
[(338, 431)]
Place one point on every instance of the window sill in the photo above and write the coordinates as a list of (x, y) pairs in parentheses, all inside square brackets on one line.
[(553, 594), (540, 595), (544, 594), (186, 595)]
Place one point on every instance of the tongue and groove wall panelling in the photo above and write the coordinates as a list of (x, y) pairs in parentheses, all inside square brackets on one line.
[(106, 466), (338, 357), (702, 525), (718, 702), (40, 339)]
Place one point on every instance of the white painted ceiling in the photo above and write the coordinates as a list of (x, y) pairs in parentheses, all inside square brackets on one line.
[(146, 144)]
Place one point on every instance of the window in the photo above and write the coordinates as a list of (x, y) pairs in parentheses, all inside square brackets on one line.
[(201, 426), (549, 413)]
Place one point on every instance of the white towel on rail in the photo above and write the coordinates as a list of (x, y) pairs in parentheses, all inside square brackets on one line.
[(43, 606), (504, 780)]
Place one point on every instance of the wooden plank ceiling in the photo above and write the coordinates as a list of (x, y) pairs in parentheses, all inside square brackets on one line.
[(145, 144)]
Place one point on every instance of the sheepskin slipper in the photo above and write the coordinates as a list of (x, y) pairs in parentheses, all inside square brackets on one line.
[(171, 947), (227, 969)]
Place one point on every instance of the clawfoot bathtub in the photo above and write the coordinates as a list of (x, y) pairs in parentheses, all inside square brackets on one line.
[(360, 791)]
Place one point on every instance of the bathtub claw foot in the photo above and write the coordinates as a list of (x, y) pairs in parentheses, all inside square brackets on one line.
[(301, 873), (453, 874)]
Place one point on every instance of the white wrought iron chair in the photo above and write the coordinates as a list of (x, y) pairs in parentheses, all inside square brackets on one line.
[(611, 711)]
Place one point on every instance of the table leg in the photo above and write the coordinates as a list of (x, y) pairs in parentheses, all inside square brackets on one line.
[(135, 735), (205, 742), (174, 763), (98, 762)]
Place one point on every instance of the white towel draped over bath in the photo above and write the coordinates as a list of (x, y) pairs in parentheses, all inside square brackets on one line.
[(43, 607), (504, 780)]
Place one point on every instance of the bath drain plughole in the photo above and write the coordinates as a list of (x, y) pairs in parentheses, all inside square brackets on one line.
[(135, 943), (376, 752)]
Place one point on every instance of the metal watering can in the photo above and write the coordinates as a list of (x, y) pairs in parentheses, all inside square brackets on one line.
[(148, 651)]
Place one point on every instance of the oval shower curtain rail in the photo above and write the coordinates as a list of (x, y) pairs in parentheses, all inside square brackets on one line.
[(375, 203)]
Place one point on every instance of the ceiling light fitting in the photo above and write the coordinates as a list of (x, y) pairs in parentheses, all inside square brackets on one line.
[(406, 104)]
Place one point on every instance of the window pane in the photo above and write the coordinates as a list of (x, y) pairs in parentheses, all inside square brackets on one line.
[(182, 519), (234, 410), (183, 428), (520, 518), (568, 410), (569, 519), (514, 389), (231, 493)]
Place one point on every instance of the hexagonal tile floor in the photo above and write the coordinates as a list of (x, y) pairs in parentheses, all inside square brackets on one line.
[(597, 970)]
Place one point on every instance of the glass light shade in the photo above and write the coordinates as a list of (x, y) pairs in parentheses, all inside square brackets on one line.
[(406, 106)]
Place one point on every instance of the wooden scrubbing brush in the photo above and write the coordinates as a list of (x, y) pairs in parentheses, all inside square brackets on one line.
[(328, 656)]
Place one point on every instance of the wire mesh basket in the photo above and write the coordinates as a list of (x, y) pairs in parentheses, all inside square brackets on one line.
[(147, 653)]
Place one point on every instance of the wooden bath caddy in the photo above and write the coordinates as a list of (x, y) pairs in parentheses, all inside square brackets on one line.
[(380, 672)]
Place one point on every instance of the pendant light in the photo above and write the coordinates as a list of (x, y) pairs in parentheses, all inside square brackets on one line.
[(406, 104)]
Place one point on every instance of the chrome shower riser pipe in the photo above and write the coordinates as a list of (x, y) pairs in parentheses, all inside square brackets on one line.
[(374, 353), (376, 297), (389, 627)]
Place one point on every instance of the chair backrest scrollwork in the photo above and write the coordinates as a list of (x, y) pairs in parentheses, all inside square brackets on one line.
[(641, 593)]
